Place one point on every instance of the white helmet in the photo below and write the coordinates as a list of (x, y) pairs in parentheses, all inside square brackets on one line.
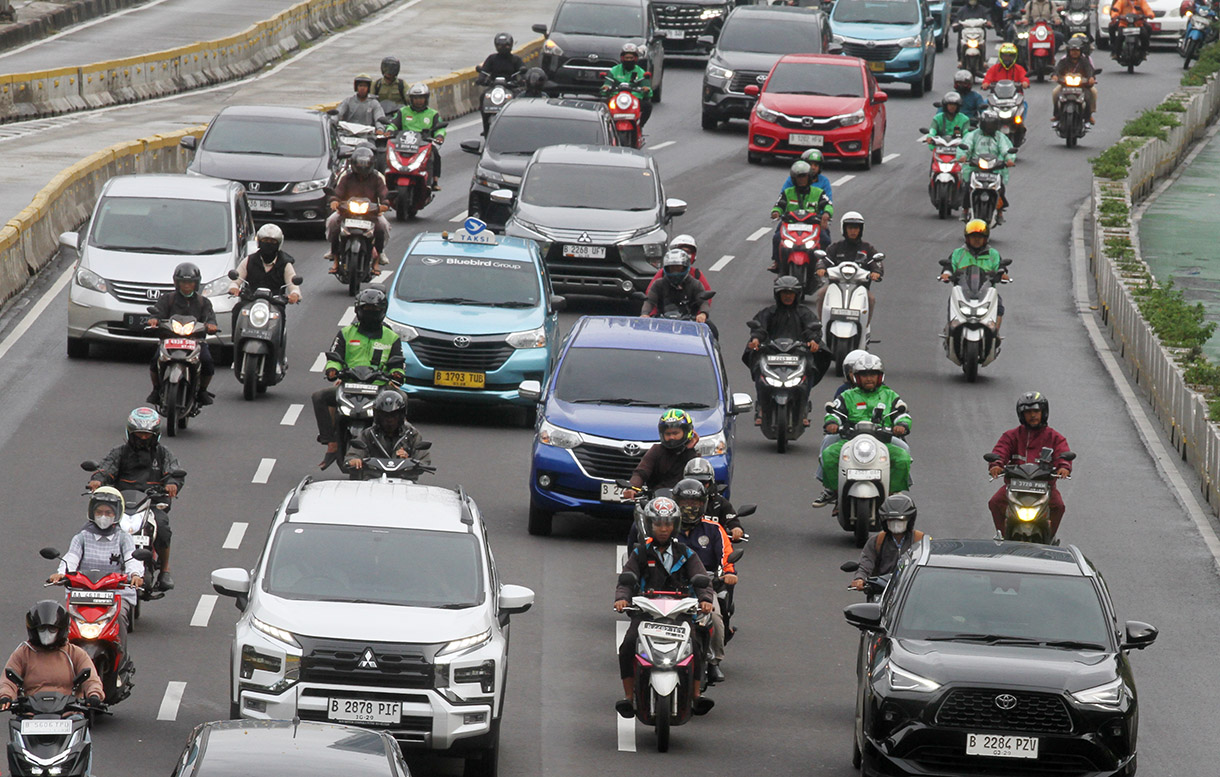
[(271, 232), (686, 243), (852, 217), (869, 362), (849, 361), (675, 258)]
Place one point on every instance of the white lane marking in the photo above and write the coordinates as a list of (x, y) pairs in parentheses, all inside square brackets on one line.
[(291, 414), (459, 217), (464, 124), (625, 726), (348, 316), (82, 26), (36, 310), (263, 473), (660, 146), (843, 179), (759, 234), (171, 700), (318, 363), (888, 157), (721, 263), (203, 610), (236, 533)]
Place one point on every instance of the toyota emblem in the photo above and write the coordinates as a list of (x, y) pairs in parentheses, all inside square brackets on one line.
[(592, 57), (632, 449), (461, 341), (253, 186), (584, 238), (870, 44), (1006, 701)]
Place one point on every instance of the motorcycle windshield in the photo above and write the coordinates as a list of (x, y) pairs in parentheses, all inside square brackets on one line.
[(973, 282), (1005, 90)]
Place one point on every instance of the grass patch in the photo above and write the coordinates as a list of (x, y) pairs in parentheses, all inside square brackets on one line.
[(1115, 161), (1151, 124), (1173, 105), (1208, 63)]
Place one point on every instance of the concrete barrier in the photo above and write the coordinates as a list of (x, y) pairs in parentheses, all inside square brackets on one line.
[(31, 28)]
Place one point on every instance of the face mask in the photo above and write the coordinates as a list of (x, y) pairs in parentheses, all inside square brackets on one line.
[(268, 251), (103, 522), (369, 319), (896, 525), (47, 636)]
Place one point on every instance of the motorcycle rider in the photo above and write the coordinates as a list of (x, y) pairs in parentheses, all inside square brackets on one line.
[(391, 436), (503, 64), (103, 546), (678, 288), (951, 121), (988, 139), (1006, 68), (365, 343), (535, 82), (787, 318), (140, 462), (814, 157), (687, 244), (628, 71), (712, 545), (662, 563), (1119, 9), (185, 300), (1038, 11), (801, 194), (361, 108), (418, 117), (973, 9), (1077, 63), (360, 180), (390, 88), (46, 662), (882, 551), (976, 253), (1027, 440), (848, 250), (719, 508), (270, 268), (973, 103), (664, 463), (855, 405), (849, 370)]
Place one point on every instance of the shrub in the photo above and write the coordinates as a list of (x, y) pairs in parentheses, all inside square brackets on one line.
[(1176, 322)]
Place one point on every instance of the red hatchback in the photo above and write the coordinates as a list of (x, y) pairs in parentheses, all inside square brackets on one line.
[(822, 101)]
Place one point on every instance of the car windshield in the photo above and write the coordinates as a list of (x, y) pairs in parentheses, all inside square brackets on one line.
[(876, 11), (766, 36), (611, 21), (468, 280), (375, 565), (810, 78), (622, 376), (264, 136), (523, 135), (162, 226), (1016, 607), (568, 186)]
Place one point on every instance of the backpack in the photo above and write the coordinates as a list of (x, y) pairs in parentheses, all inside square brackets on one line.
[(916, 536)]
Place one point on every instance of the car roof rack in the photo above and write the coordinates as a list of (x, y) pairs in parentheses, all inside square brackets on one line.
[(467, 511), (294, 502)]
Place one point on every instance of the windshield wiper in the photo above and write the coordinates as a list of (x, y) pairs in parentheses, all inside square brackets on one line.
[(449, 301), (626, 401), (153, 250), (511, 304), (251, 151), (1072, 644), (689, 405), (989, 638), (453, 606)]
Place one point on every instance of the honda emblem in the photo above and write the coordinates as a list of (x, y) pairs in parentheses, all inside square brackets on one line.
[(152, 293), (806, 121), (761, 79), (253, 186)]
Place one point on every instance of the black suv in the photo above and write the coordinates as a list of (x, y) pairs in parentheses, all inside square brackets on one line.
[(522, 127), (752, 41), (585, 38), (997, 658), (690, 26)]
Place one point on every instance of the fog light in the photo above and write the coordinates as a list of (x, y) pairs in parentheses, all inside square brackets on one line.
[(254, 705), (544, 481), (763, 140), (626, 286), (311, 214), (474, 717), (852, 145)]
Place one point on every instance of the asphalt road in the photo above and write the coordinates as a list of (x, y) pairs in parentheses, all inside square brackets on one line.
[(787, 705)]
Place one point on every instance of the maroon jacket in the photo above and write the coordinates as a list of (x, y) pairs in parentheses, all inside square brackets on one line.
[(1029, 443)]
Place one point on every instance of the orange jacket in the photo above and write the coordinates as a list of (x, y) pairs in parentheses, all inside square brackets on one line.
[(1121, 7)]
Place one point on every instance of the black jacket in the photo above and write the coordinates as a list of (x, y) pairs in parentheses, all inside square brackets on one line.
[(645, 562), (127, 468), (371, 443), (171, 303), (662, 467), (663, 294), (500, 66), (797, 322), (847, 251)]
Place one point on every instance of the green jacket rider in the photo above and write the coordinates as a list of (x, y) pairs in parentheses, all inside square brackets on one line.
[(950, 122), (976, 253), (857, 404), (418, 117), (987, 139)]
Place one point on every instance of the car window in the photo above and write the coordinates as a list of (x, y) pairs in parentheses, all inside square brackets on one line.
[(157, 225), (767, 36), (347, 563), (877, 12), (618, 188), (523, 135), (637, 378), (815, 79), (612, 21), (468, 280), (265, 136)]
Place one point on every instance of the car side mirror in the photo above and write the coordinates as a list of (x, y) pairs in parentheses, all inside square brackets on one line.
[(752, 90), (188, 142), (558, 302), (865, 616), (539, 28), (742, 403), (1139, 635), (530, 390), (233, 275), (746, 510), (234, 582), (880, 97), (515, 599), (502, 196), (472, 146), (674, 207), (70, 240), (50, 554)]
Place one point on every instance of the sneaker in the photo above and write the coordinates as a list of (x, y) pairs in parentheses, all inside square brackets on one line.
[(165, 582), (827, 497), (714, 674), (625, 708), (1054, 124)]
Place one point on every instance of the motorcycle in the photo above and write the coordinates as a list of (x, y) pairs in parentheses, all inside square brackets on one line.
[(178, 363), (1072, 109), (845, 312), (50, 731), (357, 389), (799, 235), (408, 172), (353, 135), (1077, 19), (787, 372), (1028, 485), (387, 469), (864, 475), (260, 357), (945, 179), (1199, 32), (1036, 49), (357, 225), (498, 93), (724, 591), (664, 666), (1008, 101), (974, 305), (625, 110), (984, 195), (1130, 51), (972, 45)]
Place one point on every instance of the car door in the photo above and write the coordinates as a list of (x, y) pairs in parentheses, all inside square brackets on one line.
[(876, 109)]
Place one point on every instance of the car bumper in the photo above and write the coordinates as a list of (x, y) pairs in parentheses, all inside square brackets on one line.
[(846, 143), (501, 384), (98, 317), (565, 79), (907, 67), (1066, 756), (304, 208), (728, 104)]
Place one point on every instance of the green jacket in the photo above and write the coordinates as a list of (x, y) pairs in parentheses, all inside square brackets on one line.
[(856, 404), (815, 199), (428, 121), (963, 257), (360, 350), (636, 76), (946, 126), (978, 144)]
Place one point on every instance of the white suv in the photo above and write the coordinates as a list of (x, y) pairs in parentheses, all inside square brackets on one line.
[(378, 604)]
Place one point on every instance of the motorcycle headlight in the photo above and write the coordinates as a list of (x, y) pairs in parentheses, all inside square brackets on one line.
[(1027, 514), (217, 287), (466, 643), (557, 436), (90, 630), (90, 280), (715, 71), (766, 114), (499, 95), (534, 338), (902, 680), (972, 43), (310, 186), (907, 43), (965, 307), (776, 382), (180, 328), (259, 314), (358, 208), (1040, 33), (551, 47), (864, 450), (849, 119), (712, 445), (405, 332), (275, 632), (1108, 695)]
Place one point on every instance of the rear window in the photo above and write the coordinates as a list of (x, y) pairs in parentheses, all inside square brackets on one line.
[(155, 225), (770, 36), (265, 136), (809, 78), (633, 378)]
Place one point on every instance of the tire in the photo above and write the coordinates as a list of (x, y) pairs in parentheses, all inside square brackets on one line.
[(710, 120), (918, 88), (171, 415), (753, 158), (625, 139), (402, 203), (529, 416), (662, 728), (867, 162), (801, 273), (249, 384), (970, 360), (1192, 51), (927, 79), (78, 348), (656, 95), (486, 762), (183, 401), (353, 277), (234, 711), (1131, 68), (856, 756), (945, 208), (540, 521), (878, 155), (781, 435), (862, 511)]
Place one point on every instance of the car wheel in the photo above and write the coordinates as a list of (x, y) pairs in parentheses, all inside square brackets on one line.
[(918, 88), (878, 155), (710, 120), (656, 95), (78, 348), (486, 762), (753, 157), (867, 162), (540, 521), (927, 79)]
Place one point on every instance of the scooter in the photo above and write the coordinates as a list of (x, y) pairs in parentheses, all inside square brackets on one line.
[(1131, 51), (499, 92), (984, 192), (353, 135), (1072, 109), (799, 235), (1008, 101), (1028, 484), (864, 475), (354, 395), (974, 305), (1076, 19), (357, 226), (49, 733), (787, 372), (845, 312), (178, 363), (972, 45), (408, 172), (1036, 47), (945, 177), (1199, 31), (260, 358), (625, 110)]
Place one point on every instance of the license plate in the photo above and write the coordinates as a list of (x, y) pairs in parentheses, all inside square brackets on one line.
[(260, 206), (663, 630), (876, 67), (60, 727), (141, 540), (675, 34), (782, 360), (805, 139), (91, 598), (1001, 746), (361, 388), (357, 224), (589, 75), (1042, 45), (844, 313), (611, 493), (364, 711), (584, 252), (864, 474), (136, 320), (180, 343), (1029, 485), (473, 380)]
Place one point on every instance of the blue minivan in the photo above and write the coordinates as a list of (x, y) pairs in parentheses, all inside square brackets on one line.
[(598, 413), (476, 315), (896, 38)]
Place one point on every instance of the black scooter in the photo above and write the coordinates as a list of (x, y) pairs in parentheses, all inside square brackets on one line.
[(786, 373), (178, 363), (1027, 516), (354, 398), (42, 741), (260, 353)]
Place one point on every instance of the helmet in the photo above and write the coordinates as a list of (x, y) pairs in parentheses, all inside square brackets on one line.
[(504, 42), (143, 419), (686, 243), (419, 90), (963, 80), (691, 497), (676, 418), (106, 495), (898, 510), (951, 98), (47, 614), (271, 233), (187, 272), (702, 470), (786, 283), (989, 122), (535, 79), (1033, 400), (371, 305), (390, 404), (869, 362), (852, 218), (1007, 54), (661, 511), (800, 167), (675, 258), (813, 156), (390, 67), (363, 78), (362, 160), (1077, 43), (849, 362), (977, 226), (629, 48)]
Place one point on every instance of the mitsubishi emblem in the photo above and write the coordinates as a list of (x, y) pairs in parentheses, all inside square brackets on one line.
[(461, 341), (253, 186), (592, 57), (367, 661), (1006, 701), (584, 238)]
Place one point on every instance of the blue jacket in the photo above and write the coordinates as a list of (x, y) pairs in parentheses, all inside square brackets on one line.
[(644, 561), (822, 182), (973, 104), (709, 541)]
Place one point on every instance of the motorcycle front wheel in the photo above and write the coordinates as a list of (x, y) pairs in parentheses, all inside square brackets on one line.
[(402, 208), (781, 434), (253, 366), (1192, 50), (970, 360), (862, 512), (170, 403), (661, 724)]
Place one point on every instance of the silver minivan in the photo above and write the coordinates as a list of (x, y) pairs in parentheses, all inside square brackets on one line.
[(142, 227)]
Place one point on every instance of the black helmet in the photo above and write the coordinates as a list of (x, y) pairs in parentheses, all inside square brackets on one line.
[(143, 419), (390, 404), (185, 273), (898, 507), (371, 305), (702, 470), (535, 79), (691, 497), (390, 67), (106, 495), (1033, 400), (362, 160), (786, 283), (47, 614), (662, 511), (989, 122), (504, 43), (676, 418)]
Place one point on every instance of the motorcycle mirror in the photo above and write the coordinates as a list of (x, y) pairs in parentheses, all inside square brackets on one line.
[(425, 445), (923, 130), (84, 675), (752, 90), (704, 296), (849, 566), (15, 678), (142, 554), (1005, 262), (819, 253), (990, 457), (736, 555), (49, 553), (879, 256), (89, 466), (753, 324), (297, 280), (151, 309), (178, 473), (746, 510), (700, 581), (333, 112), (1069, 456), (233, 275), (628, 578), (638, 295)]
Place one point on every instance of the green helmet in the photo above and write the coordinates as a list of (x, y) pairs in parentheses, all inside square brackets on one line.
[(813, 156), (676, 418)]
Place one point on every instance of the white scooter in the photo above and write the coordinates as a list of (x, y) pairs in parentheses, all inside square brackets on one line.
[(864, 475), (845, 311), (970, 334)]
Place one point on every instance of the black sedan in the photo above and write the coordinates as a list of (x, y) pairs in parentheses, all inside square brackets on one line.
[(253, 748), (997, 658)]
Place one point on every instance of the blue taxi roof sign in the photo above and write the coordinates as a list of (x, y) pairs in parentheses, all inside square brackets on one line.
[(474, 230)]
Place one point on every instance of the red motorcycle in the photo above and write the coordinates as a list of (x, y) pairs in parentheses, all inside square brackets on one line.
[(799, 234), (945, 177), (1038, 42), (625, 110), (408, 172)]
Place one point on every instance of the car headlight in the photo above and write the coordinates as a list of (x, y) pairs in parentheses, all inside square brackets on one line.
[(907, 43), (551, 47), (712, 13), (712, 445), (1104, 12), (90, 280), (864, 450), (1108, 695), (850, 119), (766, 114), (466, 643), (534, 338), (405, 332), (557, 436), (488, 177), (217, 287), (1027, 514), (310, 186), (275, 632), (902, 680), (715, 71)]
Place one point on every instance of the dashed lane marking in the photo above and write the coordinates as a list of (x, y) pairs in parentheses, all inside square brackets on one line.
[(263, 473), (459, 217), (660, 146), (236, 533), (888, 157), (291, 414), (721, 263), (318, 363), (348, 316), (171, 700), (842, 179), (36, 310), (759, 233), (203, 610)]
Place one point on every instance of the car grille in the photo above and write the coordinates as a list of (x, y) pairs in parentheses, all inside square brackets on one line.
[(340, 664), (442, 354), (672, 16), (975, 708), (813, 123), (592, 237), (604, 462), (265, 187), (954, 759), (138, 293), (877, 53), (743, 78)]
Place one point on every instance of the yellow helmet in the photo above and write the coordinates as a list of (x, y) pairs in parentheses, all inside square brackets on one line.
[(1008, 53), (976, 227)]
